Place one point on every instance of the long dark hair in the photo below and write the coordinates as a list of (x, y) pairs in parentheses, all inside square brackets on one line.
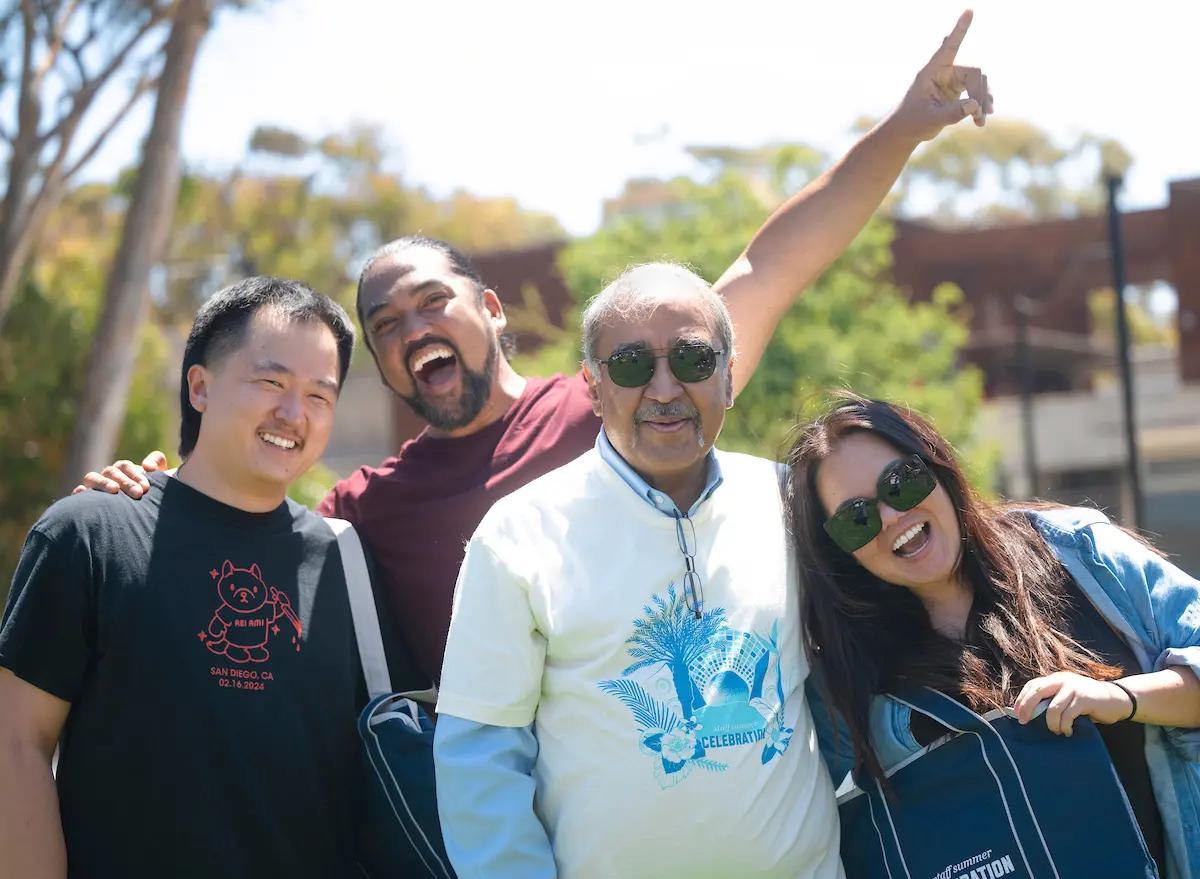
[(869, 637)]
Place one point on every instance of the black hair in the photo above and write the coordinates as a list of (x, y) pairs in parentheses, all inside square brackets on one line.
[(460, 264), (221, 326)]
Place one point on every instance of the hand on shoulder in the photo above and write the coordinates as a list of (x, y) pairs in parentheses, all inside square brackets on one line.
[(125, 476)]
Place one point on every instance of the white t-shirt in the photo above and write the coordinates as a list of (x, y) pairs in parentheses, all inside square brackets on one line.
[(668, 746)]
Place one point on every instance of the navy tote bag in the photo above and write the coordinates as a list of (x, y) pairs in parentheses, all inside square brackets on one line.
[(994, 798), (400, 834)]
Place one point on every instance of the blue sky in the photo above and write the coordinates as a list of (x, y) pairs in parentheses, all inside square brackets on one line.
[(528, 99)]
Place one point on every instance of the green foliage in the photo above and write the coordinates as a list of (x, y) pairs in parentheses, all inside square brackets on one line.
[(43, 355), (314, 222), (310, 489), (706, 231), (313, 210), (1025, 173), (852, 329), (1143, 326), (559, 357)]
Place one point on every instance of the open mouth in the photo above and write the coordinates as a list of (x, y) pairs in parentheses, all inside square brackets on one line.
[(912, 541), (434, 366), (279, 442)]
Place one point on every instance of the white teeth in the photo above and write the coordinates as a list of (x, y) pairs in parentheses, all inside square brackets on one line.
[(278, 441), (907, 536), (430, 354)]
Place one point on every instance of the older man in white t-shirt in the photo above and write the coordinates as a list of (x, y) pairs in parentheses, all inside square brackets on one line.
[(623, 688)]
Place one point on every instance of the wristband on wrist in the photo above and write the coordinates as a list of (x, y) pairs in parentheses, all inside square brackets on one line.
[(1132, 698)]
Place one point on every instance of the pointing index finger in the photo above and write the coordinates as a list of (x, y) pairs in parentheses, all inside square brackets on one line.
[(950, 45)]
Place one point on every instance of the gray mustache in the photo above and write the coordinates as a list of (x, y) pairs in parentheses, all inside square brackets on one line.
[(676, 409)]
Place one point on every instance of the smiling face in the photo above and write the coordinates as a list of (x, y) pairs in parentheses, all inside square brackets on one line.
[(267, 405), (663, 429), (435, 336), (917, 548)]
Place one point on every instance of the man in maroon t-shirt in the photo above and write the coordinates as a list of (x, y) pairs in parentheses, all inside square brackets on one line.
[(434, 328)]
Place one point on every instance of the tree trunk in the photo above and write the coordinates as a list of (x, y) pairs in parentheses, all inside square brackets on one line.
[(148, 219), (14, 253), (684, 688), (22, 166), (35, 185)]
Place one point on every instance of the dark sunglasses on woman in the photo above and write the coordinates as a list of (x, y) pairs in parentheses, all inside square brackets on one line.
[(901, 486), (690, 362)]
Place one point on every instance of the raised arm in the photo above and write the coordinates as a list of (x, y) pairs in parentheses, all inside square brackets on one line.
[(810, 231), (31, 835)]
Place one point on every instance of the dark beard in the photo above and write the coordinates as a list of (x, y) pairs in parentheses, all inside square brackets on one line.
[(477, 390)]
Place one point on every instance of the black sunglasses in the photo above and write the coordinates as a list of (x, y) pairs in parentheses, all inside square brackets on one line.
[(690, 362), (901, 486)]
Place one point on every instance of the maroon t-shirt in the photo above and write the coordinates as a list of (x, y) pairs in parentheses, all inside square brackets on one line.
[(416, 511)]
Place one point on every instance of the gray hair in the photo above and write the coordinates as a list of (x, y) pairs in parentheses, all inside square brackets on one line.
[(638, 291)]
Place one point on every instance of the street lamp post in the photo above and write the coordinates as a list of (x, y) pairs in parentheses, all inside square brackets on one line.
[(1124, 343), (1022, 311)]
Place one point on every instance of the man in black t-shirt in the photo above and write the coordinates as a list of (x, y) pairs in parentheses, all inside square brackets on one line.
[(192, 655)]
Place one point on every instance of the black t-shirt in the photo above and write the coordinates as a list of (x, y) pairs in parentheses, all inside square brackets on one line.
[(209, 658), (1126, 741)]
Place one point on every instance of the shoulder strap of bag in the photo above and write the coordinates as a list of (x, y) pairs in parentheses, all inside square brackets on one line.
[(941, 708), (362, 609)]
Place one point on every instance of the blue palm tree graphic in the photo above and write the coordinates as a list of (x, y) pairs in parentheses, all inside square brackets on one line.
[(669, 634)]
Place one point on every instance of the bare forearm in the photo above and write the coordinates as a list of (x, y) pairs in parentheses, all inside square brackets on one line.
[(1170, 697), (811, 230), (31, 837), (804, 236)]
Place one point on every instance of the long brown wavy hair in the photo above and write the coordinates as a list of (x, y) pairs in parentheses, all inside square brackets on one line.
[(869, 637)]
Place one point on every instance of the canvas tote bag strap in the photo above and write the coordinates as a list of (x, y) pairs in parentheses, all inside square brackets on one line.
[(1000, 763), (362, 609), (941, 708)]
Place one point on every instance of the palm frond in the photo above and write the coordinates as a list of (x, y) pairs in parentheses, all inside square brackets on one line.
[(648, 712), (645, 662)]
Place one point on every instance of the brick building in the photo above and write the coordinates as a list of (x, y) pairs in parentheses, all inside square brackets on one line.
[(1043, 273)]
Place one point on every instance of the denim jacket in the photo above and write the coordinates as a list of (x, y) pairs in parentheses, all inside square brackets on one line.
[(1155, 607)]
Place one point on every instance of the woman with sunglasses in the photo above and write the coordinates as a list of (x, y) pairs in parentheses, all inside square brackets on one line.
[(908, 578)]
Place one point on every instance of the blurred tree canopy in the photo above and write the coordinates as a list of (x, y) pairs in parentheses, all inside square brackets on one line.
[(109, 377), (1144, 326), (1010, 171), (852, 329), (314, 211), (58, 60), (43, 356), (313, 215)]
